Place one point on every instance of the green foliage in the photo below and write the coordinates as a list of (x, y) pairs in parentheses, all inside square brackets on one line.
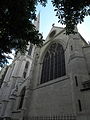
[(16, 28), (71, 12)]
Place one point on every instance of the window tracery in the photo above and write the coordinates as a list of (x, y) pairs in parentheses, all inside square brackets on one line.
[(53, 63)]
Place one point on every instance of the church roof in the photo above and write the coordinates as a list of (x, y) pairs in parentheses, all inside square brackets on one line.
[(54, 32)]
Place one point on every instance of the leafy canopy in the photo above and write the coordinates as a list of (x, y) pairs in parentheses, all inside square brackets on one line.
[(71, 12), (16, 28)]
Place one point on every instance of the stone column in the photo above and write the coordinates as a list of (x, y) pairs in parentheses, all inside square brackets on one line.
[(21, 70), (10, 107)]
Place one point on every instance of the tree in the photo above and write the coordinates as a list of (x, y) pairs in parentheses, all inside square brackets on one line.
[(71, 12), (16, 28)]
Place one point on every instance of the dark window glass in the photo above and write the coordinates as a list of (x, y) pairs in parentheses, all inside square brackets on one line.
[(53, 63), (79, 104), (45, 70), (71, 47), (30, 49), (21, 98), (76, 80), (26, 69), (56, 66), (27, 64), (51, 66), (85, 85), (24, 74)]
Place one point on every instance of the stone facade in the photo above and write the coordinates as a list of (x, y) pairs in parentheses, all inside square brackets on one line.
[(24, 97)]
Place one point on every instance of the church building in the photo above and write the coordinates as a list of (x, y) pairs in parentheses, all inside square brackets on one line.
[(51, 82)]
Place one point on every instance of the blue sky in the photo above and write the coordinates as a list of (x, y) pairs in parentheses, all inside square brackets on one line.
[(47, 18)]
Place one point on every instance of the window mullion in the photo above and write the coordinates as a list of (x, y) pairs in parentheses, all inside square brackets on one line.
[(43, 69), (54, 63)]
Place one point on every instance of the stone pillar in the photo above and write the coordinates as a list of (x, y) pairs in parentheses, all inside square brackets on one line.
[(8, 74), (3, 108), (21, 70), (10, 107), (16, 67)]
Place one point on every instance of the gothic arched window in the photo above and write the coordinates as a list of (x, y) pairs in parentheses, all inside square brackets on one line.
[(53, 63), (26, 69), (22, 94), (27, 64)]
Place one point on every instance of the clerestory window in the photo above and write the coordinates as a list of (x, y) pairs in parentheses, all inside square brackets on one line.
[(53, 63)]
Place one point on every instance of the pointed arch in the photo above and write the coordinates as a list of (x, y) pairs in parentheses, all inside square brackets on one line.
[(53, 63)]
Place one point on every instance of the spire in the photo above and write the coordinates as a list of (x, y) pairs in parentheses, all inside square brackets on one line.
[(37, 22)]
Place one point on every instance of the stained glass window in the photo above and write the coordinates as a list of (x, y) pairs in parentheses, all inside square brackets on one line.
[(53, 63)]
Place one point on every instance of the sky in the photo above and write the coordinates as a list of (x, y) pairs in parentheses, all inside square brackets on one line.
[(47, 18)]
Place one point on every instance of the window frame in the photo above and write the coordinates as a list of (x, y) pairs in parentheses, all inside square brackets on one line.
[(61, 46), (21, 99)]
